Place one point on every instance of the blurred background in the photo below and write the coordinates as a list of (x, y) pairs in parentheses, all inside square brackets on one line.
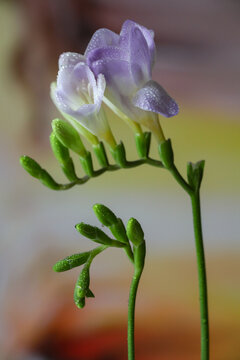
[(198, 56)]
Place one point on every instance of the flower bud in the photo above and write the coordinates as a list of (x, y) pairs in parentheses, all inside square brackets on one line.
[(68, 136), (62, 155), (135, 232), (71, 261), (119, 232), (166, 153), (104, 214), (97, 235), (31, 166)]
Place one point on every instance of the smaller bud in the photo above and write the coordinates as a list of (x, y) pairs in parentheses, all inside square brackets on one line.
[(143, 141), (166, 153), (71, 261), (97, 235), (101, 154), (119, 155), (68, 136), (31, 166), (82, 287), (119, 232), (62, 155), (86, 162), (104, 214), (135, 232)]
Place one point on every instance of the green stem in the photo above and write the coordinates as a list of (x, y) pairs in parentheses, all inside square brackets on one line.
[(139, 257), (202, 277), (178, 177)]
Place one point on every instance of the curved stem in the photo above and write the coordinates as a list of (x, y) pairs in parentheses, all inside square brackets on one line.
[(178, 177), (139, 257), (202, 277)]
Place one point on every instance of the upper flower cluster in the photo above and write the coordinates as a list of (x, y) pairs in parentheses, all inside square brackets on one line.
[(117, 70)]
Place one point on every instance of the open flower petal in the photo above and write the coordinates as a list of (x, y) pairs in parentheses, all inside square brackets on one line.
[(70, 59), (152, 97), (102, 38)]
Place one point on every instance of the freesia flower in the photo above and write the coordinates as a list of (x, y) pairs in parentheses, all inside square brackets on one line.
[(126, 61), (78, 95)]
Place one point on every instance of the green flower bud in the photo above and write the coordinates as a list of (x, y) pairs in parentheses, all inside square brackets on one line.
[(101, 154), (97, 235), (62, 155), (71, 261), (68, 136), (143, 141), (60, 151), (135, 232), (119, 232), (166, 153), (82, 287), (104, 214), (119, 155), (31, 166)]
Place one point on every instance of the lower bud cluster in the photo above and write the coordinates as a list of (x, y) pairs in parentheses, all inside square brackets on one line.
[(130, 239)]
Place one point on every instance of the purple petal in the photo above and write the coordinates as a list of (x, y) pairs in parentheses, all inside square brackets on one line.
[(70, 59), (152, 97), (117, 74), (102, 38), (127, 27)]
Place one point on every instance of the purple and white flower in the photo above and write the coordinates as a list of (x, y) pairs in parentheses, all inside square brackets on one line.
[(126, 61), (78, 94)]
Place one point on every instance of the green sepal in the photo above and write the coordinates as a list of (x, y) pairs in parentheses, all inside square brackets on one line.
[(143, 142), (104, 214), (71, 261), (62, 155), (119, 232), (101, 154), (90, 294), (166, 153), (68, 136), (31, 166), (86, 162), (195, 173), (135, 232), (119, 155), (97, 235)]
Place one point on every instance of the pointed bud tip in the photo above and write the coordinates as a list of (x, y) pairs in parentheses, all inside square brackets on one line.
[(104, 214), (31, 166), (86, 230), (135, 232)]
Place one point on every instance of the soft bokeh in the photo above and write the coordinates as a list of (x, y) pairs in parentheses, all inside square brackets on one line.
[(198, 57)]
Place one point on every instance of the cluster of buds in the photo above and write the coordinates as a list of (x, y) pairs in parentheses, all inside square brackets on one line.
[(131, 239)]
